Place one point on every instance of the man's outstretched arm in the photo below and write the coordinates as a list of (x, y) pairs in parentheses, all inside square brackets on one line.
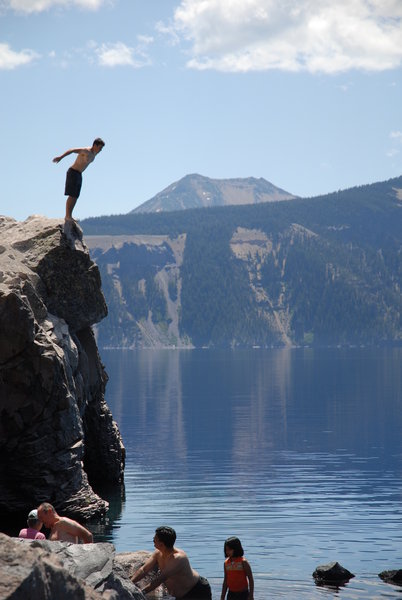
[(146, 567), (71, 151)]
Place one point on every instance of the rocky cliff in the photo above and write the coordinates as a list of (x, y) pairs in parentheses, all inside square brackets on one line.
[(57, 435)]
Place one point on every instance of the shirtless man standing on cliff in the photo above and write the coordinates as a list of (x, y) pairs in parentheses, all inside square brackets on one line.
[(74, 173), (63, 529), (175, 570)]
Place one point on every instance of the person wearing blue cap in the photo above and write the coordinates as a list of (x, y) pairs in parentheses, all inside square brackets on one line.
[(32, 532)]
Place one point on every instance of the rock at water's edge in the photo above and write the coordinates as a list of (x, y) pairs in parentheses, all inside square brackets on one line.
[(43, 570), (393, 576), (56, 430), (333, 572)]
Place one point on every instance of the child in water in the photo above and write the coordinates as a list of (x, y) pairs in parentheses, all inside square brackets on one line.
[(238, 577)]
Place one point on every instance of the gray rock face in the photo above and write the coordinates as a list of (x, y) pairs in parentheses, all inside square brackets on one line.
[(49, 570), (56, 430)]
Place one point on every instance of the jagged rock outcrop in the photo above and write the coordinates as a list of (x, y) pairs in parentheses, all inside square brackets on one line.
[(49, 570), (56, 430)]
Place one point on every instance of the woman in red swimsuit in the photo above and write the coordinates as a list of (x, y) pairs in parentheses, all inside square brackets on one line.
[(238, 577)]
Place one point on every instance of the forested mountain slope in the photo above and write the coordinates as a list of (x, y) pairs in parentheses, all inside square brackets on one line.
[(324, 270)]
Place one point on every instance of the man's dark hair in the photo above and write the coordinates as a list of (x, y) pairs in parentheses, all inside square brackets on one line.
[(98, 142), (166, 535), (234, 544)]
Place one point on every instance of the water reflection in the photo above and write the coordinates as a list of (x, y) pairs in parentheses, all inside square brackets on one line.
[(297, 452), (103, 527)]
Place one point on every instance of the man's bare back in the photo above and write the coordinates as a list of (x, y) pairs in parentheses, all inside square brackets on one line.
[(62, 529), (180, 576), (175, 571)]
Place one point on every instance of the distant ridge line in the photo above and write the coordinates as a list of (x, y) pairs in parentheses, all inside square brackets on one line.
[(198, 191)]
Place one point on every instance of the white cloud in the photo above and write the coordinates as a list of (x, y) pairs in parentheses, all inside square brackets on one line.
[(327, 36), (36, 6), (396, 135), (9, 59), (121, 55), (168, 31)]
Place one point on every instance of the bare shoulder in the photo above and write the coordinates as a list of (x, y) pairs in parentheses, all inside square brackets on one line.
[(83, 150), (246, 564), (67, 521), (180, 557), (70, 524), (79, 150), (157, 556)]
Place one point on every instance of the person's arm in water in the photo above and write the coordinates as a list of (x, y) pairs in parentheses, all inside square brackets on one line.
[(71, 151)]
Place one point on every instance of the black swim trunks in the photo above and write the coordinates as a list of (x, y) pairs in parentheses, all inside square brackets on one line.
[(237, 595), (201, 591), (73, 183)]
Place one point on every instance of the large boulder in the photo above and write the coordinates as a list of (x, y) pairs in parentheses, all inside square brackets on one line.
[(129, 562), (43, 570), (57, 435)]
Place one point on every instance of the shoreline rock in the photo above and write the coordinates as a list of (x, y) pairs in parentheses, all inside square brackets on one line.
[(43, 570), (57, 434), (393, 576), (332, 573)]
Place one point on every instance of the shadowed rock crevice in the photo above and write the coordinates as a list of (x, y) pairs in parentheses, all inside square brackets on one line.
[(53, 415)]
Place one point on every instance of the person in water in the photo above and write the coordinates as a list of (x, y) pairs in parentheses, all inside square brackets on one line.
[(32, 532), (74, 173), (175, 570), (238, 578), (63, 529)]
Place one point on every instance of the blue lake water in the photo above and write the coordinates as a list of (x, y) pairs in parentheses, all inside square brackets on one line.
[(296, 451)]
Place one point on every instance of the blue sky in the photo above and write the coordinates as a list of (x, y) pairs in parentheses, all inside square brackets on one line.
[(307, 94)]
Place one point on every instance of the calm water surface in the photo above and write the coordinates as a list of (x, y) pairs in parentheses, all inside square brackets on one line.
[(298, 452)]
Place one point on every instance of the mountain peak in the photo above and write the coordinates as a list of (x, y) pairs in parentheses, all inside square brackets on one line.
[(198, 191)]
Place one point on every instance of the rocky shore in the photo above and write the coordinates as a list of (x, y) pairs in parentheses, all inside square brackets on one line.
[(43, 570), (57, 435)]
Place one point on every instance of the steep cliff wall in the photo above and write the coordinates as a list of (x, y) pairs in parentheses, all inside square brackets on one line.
[(143, 285), (56, 432)]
